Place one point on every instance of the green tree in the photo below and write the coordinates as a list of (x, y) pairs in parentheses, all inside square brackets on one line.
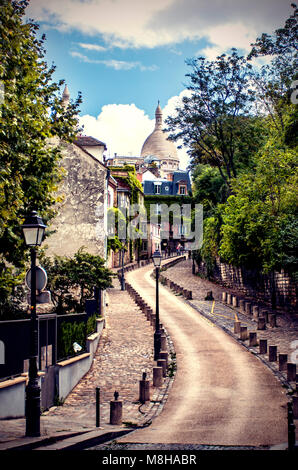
[(72, 280), (30, 114), (274, 81), (214, 120), (260, 219)]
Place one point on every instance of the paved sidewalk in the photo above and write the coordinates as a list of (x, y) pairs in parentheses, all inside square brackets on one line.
[(124, 352)]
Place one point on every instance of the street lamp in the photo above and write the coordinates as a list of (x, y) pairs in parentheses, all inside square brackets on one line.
[(33, 230), (157, 340), (122, 263)]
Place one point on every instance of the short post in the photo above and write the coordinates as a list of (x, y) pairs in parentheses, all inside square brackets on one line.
[(157, 376), (261, 323), (235, 301), (164, 355), (291, 372), (97, 399), (242, 306), (255, 312), (237, 325), (163, 364), (243, 333), (282, 362), (163, 342), (263, 346), (224, 296), (272, 353), (295, 407), (272, 320), (253, 338), (116, 410), (291, 428), (229, 299), (264, 314), (248, 308), (144, 389)]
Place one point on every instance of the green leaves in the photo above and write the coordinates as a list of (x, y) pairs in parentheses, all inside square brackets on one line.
[(30, 115), (255, 217), (72, 280)]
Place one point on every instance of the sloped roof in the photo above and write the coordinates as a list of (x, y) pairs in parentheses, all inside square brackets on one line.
[(88, 141)]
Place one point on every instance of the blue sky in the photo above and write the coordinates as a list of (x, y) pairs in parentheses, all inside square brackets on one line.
[(125, 55)]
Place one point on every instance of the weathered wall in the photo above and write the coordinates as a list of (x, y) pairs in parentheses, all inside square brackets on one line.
[(255, 284), (81, 219)]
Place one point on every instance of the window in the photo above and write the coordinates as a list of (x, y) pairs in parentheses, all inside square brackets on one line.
[(157, 188), (182, 190)]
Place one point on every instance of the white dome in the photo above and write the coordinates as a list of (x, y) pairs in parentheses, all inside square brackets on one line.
[(157, 143)]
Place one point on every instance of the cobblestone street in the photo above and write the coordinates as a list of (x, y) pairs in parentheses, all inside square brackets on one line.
[(124, 352)]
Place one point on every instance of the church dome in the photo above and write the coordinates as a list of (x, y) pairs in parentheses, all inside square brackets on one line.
[(157, 144)]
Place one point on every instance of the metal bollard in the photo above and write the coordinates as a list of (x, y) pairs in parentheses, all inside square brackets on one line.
[(237, 325), (243, 333), (116, 410), (291, 371), (97, 399), (272, 353), (163, 342), (144, 389), (253, 339), (261, 323), (242, 306), (157, 376), (248, 308), (255, 312), (263, 346), (162, 363), (164, 355), (291, 428), (282, 361)]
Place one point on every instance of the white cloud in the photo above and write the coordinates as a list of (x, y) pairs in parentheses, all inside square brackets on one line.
[(137, 23), (124, 128), (114, 64), (92, 47)]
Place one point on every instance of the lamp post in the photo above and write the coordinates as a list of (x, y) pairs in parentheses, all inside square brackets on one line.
[(122, 264), (193, 263), (157, 340), (33, 230)]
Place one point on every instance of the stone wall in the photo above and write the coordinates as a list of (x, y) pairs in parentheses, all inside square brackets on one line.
[(255, 284), (81, 219)]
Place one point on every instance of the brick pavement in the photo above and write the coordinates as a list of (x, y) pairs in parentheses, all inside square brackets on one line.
[(124, 352)]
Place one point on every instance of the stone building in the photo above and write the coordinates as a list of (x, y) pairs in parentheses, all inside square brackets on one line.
[(83, 193)]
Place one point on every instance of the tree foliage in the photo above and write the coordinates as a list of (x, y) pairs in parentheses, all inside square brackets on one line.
[(31, 113), (214, 120), (72, 280), (243, 144)]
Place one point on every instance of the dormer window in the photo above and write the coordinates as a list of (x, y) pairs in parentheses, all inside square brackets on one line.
[(157, 188), (182, 189)]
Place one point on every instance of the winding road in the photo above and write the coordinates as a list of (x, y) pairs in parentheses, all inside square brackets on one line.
[(222, 394)]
